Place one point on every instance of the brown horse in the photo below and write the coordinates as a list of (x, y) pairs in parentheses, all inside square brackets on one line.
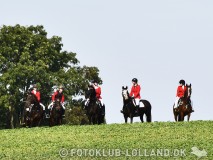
[(129, 108), (33, 112), (56, 114), (184, 106)]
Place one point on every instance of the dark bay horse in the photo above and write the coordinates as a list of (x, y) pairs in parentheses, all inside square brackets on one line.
[(129, 107), (33, 112), (56, 114), (93, 109), (184, 106)]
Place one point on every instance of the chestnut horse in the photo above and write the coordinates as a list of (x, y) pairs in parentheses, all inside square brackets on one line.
[(129, 108), (184, 105), (56, 114), (33, 112)]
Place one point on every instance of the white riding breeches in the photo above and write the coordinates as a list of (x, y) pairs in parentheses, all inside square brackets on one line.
[(176, 102), (137, 102), (87, 101), (51, 105), (42, 106), (102, 103)]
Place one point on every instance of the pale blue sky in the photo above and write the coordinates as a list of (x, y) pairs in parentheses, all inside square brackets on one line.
[(157, 41)]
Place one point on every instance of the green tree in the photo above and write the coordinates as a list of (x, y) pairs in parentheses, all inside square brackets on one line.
[(28, 56)]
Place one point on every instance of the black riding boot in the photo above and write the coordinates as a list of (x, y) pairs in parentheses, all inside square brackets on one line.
[(137, 109)]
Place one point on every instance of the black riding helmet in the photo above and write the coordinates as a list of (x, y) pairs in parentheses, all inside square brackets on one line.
[(135, 80), (94, 81), (182, 82)]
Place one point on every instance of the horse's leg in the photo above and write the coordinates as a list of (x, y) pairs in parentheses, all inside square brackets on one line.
[(94, 120), (148, 116), (40, 118), (90, 119), (176, 116), (125, 118), (131, 118), (189, 116), (181, 116), (50, 122), (50, 119), (141, 117)]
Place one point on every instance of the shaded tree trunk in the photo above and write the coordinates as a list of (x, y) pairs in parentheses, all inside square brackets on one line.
[(11, 117)]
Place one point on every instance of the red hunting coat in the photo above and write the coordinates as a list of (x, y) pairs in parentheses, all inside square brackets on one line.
[(135, 91), (98, 92), (181, 91), (37, 94), (60, 96)]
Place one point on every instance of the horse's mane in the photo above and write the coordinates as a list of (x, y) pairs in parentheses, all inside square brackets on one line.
[(186, 92)]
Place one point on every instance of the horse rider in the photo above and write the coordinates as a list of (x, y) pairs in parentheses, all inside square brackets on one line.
[(38, 95), (58, 94), (181, 89), (97, 88), (135, 93)]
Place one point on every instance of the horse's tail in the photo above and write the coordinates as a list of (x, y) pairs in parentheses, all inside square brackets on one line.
[(148, 109)]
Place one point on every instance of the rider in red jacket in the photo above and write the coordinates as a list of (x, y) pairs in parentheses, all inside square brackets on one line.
[(38, 95), (98, 91), (98, 95), (58, 94), (135, 92), (136, 88), (181, 89)]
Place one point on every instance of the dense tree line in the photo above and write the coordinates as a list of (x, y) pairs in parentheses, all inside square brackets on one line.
[(28, 56)]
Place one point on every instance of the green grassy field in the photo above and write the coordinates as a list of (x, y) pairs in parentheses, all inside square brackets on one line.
[(158, 140)]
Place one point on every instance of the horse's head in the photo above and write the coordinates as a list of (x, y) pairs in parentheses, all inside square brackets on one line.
[(57, 104), (90, 93), (189, 90), (31, 99), (125, 93)]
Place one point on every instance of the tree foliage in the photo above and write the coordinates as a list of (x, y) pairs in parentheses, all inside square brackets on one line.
[(28, 56)]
